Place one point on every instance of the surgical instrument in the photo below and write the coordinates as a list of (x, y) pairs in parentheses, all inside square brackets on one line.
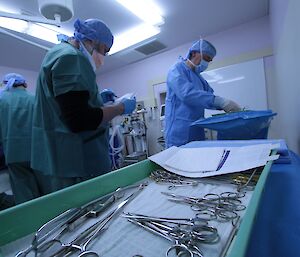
[(71, 219), (174, 180), (73, 213), (195, 227), (230, 237), (83, 239), (223, 206), (240, 179), (179, 221), (182, 246), (243, 186)]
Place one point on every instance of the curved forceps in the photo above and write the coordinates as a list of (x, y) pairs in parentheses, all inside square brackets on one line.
[(94, 230), (180, 248), (197, 233), (164, 177), (39, 241), (179, 221), (183, 239), (183, 250), (78, 243)]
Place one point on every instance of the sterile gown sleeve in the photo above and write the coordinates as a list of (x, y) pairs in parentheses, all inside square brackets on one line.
[(185, 85), (188, 95), (67, 75)]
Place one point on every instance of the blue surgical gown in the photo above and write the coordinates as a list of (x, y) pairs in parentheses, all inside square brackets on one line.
[(188, 94), (56, 151)]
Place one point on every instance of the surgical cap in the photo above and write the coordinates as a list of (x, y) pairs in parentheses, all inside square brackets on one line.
[(12, 79), (93, 29), (207, 48)]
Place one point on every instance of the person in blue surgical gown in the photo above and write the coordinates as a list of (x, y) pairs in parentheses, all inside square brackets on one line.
[(16, 109), (188, 94), (70, 122)]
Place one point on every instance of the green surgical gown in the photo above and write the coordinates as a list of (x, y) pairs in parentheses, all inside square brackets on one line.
[(56, 151), (16, 109)]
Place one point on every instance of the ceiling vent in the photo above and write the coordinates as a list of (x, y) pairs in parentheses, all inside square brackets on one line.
[(151, 47)]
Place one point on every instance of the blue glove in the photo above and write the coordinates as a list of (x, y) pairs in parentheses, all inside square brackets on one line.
[(107, 95), (129, 105)]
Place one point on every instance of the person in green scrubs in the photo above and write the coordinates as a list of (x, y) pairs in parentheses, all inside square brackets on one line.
[(70, 123), (16, 109)]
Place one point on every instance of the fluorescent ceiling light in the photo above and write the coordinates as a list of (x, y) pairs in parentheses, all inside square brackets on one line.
[(46, 32), (133, 36), (5, 8), (146, 10), (13, 24), (42, 31), (38, 30)]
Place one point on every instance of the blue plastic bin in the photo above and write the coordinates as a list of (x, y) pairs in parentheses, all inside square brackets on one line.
[(239, 125)]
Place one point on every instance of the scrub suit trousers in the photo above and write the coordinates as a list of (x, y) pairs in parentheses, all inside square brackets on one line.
[(24, 182), (49, 184), (28, 184)]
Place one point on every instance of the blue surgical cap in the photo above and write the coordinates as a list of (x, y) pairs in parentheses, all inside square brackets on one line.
[(12, 79), (207, 48), (93, 29)]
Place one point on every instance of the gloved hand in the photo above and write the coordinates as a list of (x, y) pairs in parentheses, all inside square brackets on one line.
[(232, 106), (107, 95), (129, 105), (226, 105)]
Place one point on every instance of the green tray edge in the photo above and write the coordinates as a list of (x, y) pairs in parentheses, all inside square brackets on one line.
[(240, 242), (24, 219)]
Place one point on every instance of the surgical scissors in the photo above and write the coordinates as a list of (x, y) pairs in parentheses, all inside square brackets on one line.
[(213, 206), (195, 227), (80, 243), (84, 238), (71, 219), (78, 215), (69, 215), (181, 245)]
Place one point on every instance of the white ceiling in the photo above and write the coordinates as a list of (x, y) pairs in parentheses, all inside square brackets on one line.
[(185, 21)]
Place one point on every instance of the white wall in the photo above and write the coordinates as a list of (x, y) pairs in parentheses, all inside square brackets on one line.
[(30, 76), (284, 22)]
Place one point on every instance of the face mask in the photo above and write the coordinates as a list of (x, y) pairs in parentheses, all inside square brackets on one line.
[(87, 55), (202, 66), (98, 58)]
